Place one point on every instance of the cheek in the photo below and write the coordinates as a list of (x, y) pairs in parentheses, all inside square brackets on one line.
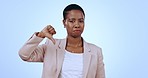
[(82, 25), (69, 25), (68, 28)]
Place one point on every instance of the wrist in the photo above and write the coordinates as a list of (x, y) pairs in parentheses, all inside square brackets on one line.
[(40, 34)]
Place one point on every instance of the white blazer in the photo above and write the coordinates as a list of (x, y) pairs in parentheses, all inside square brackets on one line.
[(52, 57)]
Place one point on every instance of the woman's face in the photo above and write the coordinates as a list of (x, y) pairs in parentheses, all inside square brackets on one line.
[(74, 23)]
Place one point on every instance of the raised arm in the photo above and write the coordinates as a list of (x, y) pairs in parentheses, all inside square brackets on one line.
[(31, 51)]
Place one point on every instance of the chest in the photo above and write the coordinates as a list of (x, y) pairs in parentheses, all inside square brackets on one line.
[(54, 60)]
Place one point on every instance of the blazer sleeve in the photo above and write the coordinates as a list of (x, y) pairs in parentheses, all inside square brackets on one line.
[(31, 51), (100, 65)]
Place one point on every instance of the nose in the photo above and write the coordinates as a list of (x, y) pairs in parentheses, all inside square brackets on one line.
[(77, 25)]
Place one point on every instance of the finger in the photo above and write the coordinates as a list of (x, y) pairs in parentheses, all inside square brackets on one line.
[(49, 36), (52, 32), (51, 28)]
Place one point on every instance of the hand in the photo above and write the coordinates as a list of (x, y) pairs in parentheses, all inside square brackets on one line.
[(48, 32)]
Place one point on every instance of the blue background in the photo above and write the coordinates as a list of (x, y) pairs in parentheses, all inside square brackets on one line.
[(119, 27)]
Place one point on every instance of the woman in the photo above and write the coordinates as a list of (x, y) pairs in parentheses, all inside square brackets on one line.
[(71, 57)]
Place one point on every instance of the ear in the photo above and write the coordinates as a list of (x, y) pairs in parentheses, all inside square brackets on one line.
[(64, 23)]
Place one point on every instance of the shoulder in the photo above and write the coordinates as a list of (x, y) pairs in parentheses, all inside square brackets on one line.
[(48, 41), (94, 48), (91, 45)]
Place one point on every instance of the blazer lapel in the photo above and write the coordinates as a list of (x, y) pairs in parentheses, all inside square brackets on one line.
[(60, 54), (87, 59)]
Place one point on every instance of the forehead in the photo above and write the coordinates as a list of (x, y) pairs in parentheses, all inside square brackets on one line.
[(77, 14)]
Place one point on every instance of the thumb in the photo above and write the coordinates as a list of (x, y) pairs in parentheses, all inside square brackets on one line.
[(49, 36), (53, 40)]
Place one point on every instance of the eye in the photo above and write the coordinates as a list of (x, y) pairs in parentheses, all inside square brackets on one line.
[(72, 21), (81, 21)]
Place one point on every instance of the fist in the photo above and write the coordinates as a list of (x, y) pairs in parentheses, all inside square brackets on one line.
[(48, 32)]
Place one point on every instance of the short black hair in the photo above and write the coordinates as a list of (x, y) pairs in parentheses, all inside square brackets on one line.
[(72, 7)]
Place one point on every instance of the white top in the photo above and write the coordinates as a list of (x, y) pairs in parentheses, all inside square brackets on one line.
[(72, 65)]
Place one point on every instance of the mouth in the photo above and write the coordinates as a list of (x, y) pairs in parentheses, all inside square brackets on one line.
[(77, 30)]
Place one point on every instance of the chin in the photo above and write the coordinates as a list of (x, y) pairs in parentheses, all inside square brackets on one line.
[(76, 36)]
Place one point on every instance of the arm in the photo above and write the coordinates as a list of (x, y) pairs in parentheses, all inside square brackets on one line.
[(32, 51), (100, 67)]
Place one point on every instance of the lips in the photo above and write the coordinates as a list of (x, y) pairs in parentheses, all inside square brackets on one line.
[(77, 30)]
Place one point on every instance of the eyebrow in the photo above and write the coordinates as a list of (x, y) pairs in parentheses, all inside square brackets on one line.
[(74, 19)]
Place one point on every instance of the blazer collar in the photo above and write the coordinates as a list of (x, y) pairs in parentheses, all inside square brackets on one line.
[(62, 44)]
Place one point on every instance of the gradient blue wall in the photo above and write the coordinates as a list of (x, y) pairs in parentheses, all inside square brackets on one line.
[(120, 27)]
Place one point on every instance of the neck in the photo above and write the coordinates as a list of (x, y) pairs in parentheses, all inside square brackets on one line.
[(74, 42)]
